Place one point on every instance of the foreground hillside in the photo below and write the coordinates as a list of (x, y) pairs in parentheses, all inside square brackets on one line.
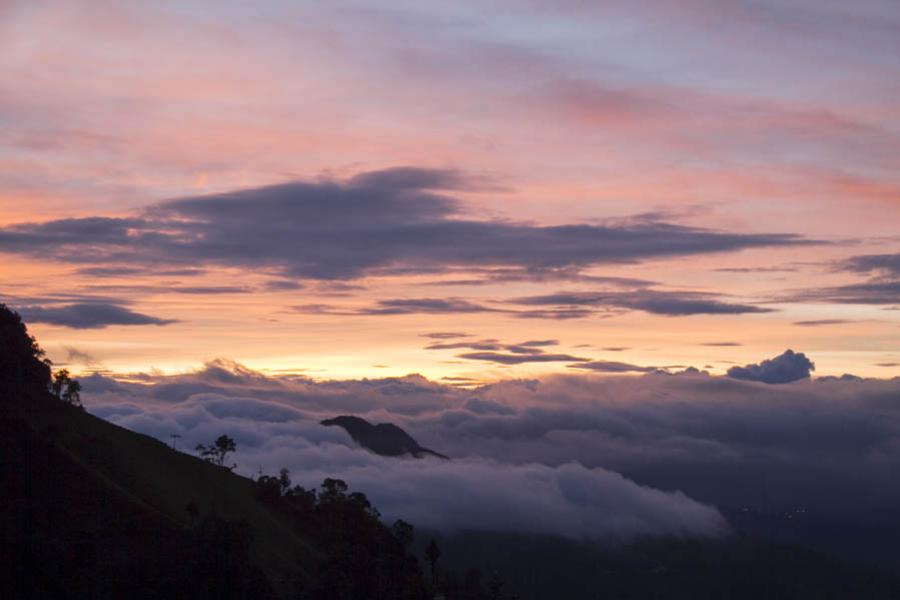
[(94, 510), (100, 510)]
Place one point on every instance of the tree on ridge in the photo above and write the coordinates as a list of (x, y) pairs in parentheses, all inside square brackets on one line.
[(218, 451)]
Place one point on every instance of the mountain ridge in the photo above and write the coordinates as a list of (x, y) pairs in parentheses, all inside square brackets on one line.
[(384, 439)]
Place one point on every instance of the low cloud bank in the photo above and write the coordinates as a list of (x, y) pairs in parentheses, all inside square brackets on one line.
[(275, 424), (478, 494), (573, 454)]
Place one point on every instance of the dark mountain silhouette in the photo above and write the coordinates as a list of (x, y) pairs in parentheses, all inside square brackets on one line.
[(385, 439), (92, 510)]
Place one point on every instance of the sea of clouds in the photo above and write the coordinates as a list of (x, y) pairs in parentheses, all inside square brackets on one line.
[(579, 455)]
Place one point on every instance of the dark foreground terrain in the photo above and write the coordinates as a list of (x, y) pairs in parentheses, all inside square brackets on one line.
[(544, 567), (93, 510)]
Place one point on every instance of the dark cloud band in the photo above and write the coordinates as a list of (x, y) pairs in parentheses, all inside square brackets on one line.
[(88, 315), (390, 219)]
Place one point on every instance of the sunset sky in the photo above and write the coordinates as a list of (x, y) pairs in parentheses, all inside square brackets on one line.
[(472, 191)]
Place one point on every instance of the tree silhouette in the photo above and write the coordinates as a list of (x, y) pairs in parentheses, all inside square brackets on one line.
[(301, 498), (61, 380), (433, 553), (268, 488), (284, 481), (495, 587), (72, 393), (333, 491), (404, 532), (217, 452), (22, 362), (65, 388)]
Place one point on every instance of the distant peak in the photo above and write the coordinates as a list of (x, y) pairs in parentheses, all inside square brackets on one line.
[(384, 439)]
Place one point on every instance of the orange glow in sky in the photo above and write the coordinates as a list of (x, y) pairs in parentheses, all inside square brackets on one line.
[(330, 188)]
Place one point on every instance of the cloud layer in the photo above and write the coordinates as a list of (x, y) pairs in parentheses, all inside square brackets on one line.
[(88, 315), (668, 303), (275, 423), (394, 219), (575, 454)]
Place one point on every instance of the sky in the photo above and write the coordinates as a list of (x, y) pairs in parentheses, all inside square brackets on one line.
[(471, 191)]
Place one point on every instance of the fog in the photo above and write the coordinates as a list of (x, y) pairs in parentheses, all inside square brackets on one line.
[(579, 455)]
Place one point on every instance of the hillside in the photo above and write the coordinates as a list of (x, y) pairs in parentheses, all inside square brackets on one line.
[(95, 510), (104, 511)]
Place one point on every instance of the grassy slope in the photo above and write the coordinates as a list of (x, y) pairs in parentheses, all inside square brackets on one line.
[(156, 483)]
